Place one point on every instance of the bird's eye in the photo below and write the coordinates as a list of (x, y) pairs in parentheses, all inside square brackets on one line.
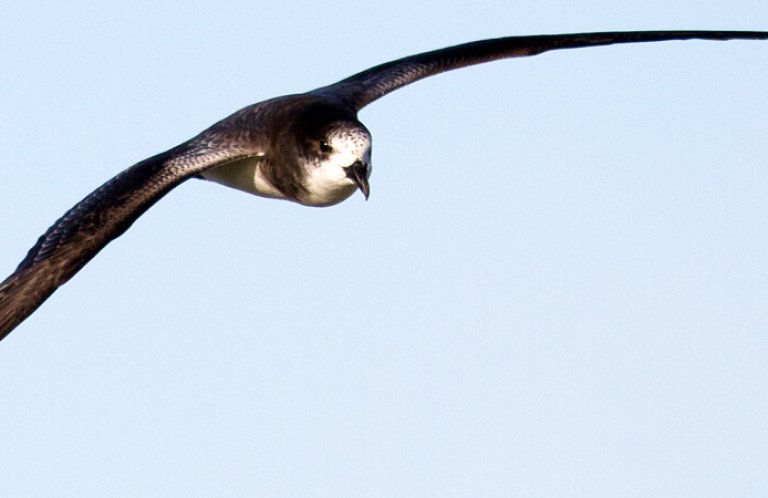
[(325, 146)]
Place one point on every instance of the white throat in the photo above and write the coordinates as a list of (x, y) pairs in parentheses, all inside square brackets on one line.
[(327, 183)]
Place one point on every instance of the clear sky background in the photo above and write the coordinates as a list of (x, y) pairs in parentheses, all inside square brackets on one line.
[(557, 288)]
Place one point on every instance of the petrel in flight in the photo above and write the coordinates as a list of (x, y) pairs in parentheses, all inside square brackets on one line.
[(308, 148)]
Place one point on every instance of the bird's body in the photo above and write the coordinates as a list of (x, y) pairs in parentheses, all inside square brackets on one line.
[(308, 148), (307, 173)]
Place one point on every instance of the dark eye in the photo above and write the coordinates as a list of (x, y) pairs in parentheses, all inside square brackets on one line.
[(325, 147)]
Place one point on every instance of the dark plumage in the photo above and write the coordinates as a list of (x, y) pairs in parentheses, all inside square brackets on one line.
[(309, 148)]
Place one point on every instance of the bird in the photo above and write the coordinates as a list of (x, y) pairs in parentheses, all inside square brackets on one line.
[(308, 148)]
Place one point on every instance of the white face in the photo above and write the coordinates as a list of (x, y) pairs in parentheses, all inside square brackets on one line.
[(327, 181)]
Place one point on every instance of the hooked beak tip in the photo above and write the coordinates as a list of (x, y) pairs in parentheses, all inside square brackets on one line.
[(358, 173)]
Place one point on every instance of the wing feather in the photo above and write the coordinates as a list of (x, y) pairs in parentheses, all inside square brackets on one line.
[(103, 215), (367, 86)]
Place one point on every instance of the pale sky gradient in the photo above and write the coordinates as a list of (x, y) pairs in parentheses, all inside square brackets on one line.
[(557, 288)]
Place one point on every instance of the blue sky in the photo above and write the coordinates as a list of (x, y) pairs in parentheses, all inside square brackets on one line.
[(557, 288)]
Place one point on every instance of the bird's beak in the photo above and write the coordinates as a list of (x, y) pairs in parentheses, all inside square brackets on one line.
[(359, 173)]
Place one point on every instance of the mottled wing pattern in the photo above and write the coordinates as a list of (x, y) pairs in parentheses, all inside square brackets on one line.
[(109, 211), (365, 87)]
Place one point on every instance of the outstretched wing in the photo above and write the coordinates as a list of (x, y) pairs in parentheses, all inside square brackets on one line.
[(105, 214), (363, 88)]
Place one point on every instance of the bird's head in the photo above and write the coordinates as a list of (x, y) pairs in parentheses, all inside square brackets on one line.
[(336, 161)]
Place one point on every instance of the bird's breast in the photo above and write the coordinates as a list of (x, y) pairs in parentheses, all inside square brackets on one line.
[(325, 185), (321, 186), (246, 175)]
